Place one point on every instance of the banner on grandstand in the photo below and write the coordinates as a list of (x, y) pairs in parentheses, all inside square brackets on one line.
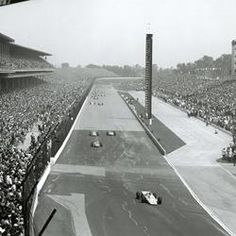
[(7, 2)]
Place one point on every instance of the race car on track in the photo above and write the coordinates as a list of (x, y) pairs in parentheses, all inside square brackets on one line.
[(111, 133), (96, 144), (149, 197), (93, 133)]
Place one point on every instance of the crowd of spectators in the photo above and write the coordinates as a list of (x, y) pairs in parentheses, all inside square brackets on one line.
[(229, 154), (211, 99), (44, 105), (16, 62)]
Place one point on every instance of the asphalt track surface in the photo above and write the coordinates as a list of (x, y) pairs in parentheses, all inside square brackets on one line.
[(197, 163), (166, 137), (93, 189)]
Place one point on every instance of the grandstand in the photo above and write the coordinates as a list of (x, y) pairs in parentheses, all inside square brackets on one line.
[(17, 61), (7, 2)]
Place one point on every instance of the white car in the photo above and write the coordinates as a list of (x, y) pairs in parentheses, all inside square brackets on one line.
[(93, 133), (111, 133), (96, 144), (149, 197)]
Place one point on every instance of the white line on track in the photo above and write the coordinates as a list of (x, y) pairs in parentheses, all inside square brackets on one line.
[(227, 171), (124, 207), (167, 190), (52, 162), (69, 134), (211, 213), (76, 204)]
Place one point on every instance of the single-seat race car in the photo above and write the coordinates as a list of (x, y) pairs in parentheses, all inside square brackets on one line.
[(111, 133), (149, 197), (96, 144), (93, 133)]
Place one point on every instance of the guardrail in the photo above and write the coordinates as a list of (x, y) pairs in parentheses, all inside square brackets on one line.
[(152, 137), (197, 117), (49, 147), (147, 130)]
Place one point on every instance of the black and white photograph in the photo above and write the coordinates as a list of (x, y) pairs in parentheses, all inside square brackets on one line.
[(117, 118)]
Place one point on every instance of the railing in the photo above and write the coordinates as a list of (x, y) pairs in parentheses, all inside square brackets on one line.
[(33, 173), (49, 147)]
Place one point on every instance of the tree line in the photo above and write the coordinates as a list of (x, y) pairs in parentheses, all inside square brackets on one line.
[(206, 65), (124, 71)]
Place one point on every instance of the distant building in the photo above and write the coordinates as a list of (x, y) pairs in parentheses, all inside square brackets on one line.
[(5, 43), (65, 65), (233, 70), (21, 66), (148, 77), (19, 61)]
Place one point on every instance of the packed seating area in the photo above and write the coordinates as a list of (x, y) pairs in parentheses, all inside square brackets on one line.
[(44, 105), (212, 99), (229, 154), (14, 57), (23, 63)]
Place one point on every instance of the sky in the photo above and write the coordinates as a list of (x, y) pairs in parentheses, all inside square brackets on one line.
[(113, 32)]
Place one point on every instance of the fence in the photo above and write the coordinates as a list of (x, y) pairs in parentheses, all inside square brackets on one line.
[(49, 147), (33, 174)]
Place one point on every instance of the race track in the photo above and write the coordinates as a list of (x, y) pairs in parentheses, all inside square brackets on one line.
[(93, 189)]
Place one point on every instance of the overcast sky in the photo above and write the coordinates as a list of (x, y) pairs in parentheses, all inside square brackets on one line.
[(113, 31)]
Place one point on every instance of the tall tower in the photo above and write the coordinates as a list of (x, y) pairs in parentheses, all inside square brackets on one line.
[(148, 77), (233, 69)]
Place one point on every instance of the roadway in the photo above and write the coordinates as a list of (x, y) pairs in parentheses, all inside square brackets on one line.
[(197, 160), (93, 189)]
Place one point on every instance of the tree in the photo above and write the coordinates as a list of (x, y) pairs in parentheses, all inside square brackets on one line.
[(92, 66), (223, 64), (205, 62)]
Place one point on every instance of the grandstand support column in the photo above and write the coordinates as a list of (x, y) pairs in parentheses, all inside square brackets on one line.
[(11, 84), (148, 77), (22, 82), (3, 84), (233, 68), (34, 81), (17, 83), (27, 82), (6, 84)]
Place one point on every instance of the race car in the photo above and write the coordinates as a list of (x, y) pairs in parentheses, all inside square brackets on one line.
[(96, 144), (93, 133), (111, 133), (149, 197)]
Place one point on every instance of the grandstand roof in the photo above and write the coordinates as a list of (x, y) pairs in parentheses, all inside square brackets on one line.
[(6, 38), (27, 50)]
